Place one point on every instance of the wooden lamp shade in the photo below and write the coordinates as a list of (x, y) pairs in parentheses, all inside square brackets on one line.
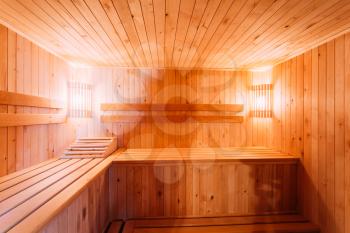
[(261, 101)]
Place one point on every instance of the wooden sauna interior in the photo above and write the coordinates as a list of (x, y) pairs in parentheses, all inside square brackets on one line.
[(181, 116)]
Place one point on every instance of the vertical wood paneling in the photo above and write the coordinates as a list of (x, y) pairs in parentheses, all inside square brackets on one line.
[(3, 87), (11, 76), (330, 227), (201, 189), (88, 212), (179, 86), (314, 137), (347, 131), (307, 129), (24, 68), (322, 100), (339, 99), (19, 89)]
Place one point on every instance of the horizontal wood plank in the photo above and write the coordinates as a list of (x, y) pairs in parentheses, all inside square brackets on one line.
[(82, 148), (171, 118), (207, 221), (75, 185), (11, 119), (35, 172), (172, 107), (35, 168), (253, 228), (17, 99), (191, 155), (248, 224)]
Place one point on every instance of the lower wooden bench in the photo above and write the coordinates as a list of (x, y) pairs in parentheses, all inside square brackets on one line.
[(80, 194), (60, 195), (202, 182), (238, 224)]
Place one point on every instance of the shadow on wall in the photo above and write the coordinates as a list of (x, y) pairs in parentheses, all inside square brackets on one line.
[(171, 87), (312, 202)]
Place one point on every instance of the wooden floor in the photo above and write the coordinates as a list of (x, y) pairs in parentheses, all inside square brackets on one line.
[(238, 224)]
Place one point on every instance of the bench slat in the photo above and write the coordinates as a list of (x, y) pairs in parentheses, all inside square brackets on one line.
[(10, 219), (60, 201), (26, 170), (29, 175), (34, 181)]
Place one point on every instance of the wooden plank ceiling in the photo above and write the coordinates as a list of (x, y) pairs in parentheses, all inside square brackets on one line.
[(177, 33)]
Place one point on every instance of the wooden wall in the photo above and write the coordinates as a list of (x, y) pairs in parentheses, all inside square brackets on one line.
[(88, 213), (312, 118), (26, 68), (202, 189), (175, 86)]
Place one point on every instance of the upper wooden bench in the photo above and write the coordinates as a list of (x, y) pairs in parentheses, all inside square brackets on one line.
[(31, 198)]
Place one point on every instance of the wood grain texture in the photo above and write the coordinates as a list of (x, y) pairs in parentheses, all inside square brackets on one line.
[(193, 155), (199, 89), (241, 224), (11, 98), (27, 70), (172, 107), (182, 186), (9, 120), (177, 34), (175, 118), (72, 192), (88, 212), (319, 130), (100, 147)]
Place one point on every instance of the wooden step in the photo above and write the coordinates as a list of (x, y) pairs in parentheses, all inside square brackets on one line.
[(84, 145), (87, 148), (87, 152), (236, 224), (95, 147)]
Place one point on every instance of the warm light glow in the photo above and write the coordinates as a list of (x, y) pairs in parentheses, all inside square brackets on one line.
[(80, 100), (76, 64), (261, 96), (261, 69)]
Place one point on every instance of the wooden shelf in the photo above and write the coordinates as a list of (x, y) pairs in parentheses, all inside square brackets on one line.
[(171, 118), (172, 107), (165, 113)]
